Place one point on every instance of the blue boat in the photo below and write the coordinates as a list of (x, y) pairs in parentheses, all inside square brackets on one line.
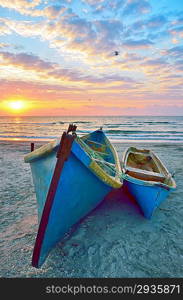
[(146, 178), (70, 178)]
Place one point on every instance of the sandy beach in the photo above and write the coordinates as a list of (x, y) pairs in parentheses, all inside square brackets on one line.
[(115, 240)]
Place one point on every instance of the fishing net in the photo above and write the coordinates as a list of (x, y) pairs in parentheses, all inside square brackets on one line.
[(99, 157)]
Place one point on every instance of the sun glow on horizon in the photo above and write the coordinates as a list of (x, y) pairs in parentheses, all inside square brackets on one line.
[(15, 106)]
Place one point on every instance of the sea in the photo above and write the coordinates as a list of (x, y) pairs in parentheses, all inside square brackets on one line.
[(117, 128)]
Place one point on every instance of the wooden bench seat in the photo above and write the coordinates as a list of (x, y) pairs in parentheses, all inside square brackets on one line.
[(145, 175)]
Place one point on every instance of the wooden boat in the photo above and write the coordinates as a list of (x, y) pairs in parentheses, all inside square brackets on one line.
[(70, 180), (146, 179)]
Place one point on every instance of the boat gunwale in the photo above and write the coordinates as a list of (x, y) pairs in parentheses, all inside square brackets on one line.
[(45, 150), (41, 152)]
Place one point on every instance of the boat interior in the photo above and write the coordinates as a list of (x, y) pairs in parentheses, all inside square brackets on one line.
[(142, 161), (100, 151), (99, 144), (142, 164)]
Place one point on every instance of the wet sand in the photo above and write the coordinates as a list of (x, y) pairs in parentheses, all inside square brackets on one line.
[(115, 240)]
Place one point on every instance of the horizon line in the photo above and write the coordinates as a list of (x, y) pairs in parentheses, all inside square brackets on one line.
[(46, 116)]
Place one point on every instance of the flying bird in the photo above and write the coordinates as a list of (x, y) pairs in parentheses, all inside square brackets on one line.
[(116, 52)]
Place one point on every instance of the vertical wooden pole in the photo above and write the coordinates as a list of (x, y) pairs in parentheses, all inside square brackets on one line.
[(32, 147), (62, 155)]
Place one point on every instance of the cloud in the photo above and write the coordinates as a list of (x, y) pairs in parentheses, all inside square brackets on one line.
[(43, 70), (132, 57), (136, 7), (84, 36), (77, 27), (26, 7), (113, 78), (109, 29), (156, 22), (176, 51), (124, 109), (93, 2), (105, 6), (4, 30), (24, 28), (158, 36), (179, 66), (144, 43), (4, 45), (68, 34), (83, 46), (32, 88), (47, 71), (179, 62), (158, 109), (174, 76), (17, 4), (116, 5), (52, 11), (26, 61), (159, 62), (178, 21), (72, 33), (177, 31), (21, 6)]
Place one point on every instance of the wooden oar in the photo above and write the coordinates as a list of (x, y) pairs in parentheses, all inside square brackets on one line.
[(62, 155)]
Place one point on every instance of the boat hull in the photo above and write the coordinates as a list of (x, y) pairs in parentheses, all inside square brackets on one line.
[(73, 200), (146, 178), (148, 197), (82, 185)]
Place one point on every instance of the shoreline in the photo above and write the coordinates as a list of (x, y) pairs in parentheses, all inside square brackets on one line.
[(17, 140)]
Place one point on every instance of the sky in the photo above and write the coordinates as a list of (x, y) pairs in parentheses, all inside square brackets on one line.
[(58, 57)]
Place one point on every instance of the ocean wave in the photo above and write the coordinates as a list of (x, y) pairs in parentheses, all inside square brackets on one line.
[(119, 137), (144, 138), (81, 122), (7, 131), (158, 122), (113, 125), (34, 123), (116, 128), (118, 131), (58, 123), (27, 137)]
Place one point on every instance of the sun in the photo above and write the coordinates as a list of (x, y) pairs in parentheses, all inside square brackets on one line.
[(16, 106)]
